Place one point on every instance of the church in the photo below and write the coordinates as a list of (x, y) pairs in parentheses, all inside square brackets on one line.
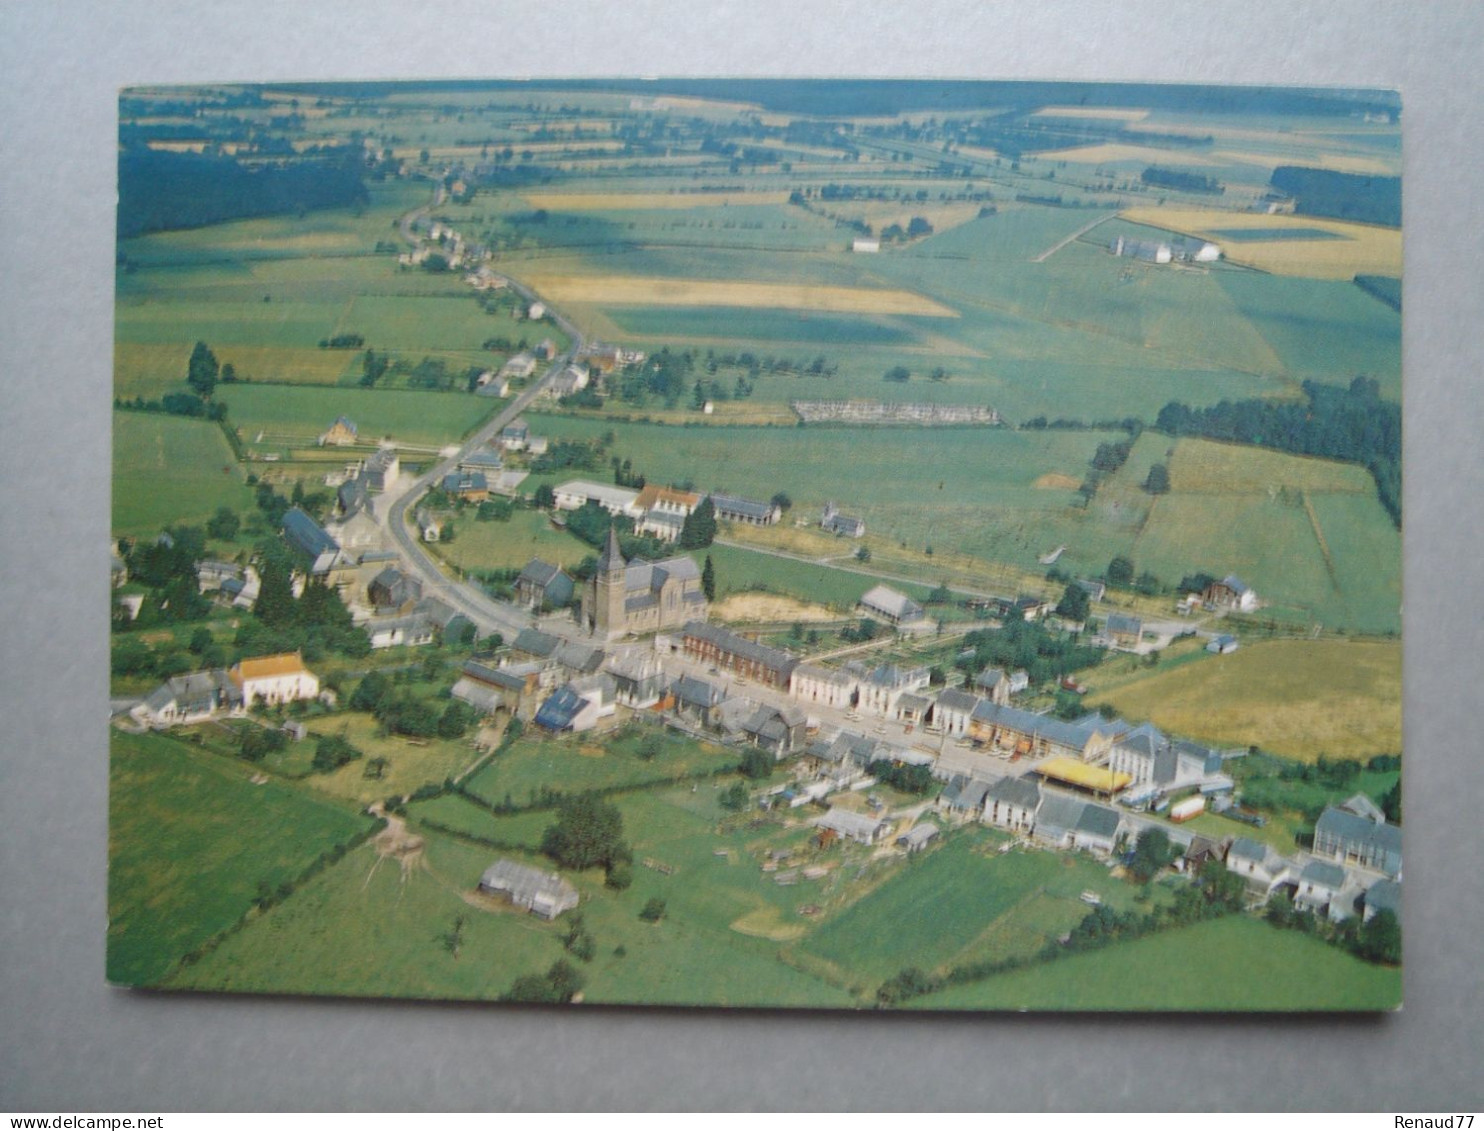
[(624, 598)]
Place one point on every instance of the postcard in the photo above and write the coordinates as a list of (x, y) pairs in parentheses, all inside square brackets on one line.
[(906, 545)]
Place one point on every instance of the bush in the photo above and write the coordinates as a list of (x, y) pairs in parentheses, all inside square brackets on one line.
[(653, 911)]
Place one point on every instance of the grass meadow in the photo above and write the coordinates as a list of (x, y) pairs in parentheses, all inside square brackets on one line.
[(191, 840), (169, 470), (295, 416), (1235, 963)]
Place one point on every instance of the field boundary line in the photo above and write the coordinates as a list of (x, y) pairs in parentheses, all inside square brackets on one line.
[(1329, 561)]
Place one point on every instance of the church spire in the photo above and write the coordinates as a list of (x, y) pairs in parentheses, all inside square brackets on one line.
[(612, 559)]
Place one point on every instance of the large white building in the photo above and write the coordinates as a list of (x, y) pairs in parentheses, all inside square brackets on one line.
[(271, 680), (614, 500)]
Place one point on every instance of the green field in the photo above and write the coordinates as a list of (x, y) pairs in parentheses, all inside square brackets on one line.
[(1247, 235), (169, 470), (1298, 698), (575, 765), (191, 840), (1233, 963), (960, 903), (760, 325), (291, 415), (510, 545)]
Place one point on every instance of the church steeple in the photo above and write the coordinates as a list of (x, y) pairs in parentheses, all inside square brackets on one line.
[(612, 560)]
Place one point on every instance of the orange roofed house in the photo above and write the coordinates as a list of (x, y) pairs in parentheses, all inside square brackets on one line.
[(274, 679)]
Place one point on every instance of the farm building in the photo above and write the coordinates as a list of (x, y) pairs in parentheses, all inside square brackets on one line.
[(1259, 865), (853, 826), (1149, 758), (1069, 822), (637, 597), (541, 893), (716, 645), (953, 710), (885, 603), (842, 524), (490, 689), (485, 460), (1230, 593), (1223, 645), (1025, 733), (865, 246), (732, 508), (393, 590), (780, 731), (1123, 632), (273, 679), (917, 837), (578, 705), (964, 796), (382, 469)]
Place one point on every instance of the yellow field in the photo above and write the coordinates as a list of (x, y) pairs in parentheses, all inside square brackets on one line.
[(1298, 698), (1211, 468), (1364, 250), (1097, 154), (617, 201), (634, 290), (1107, 113)]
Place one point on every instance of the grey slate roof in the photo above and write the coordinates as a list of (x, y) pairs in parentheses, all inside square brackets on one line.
[(1379, 838), (851, 824), (889, 602), (1324, 873), (956, 699), (731, 504), (696, 693), (1122, 623), (307, 535), (774, 659), (1385, 895), (526, 885), (1245, 848), (536, 643), (1058, 814), (1098, 820), (1015, 791), (1073, 734)]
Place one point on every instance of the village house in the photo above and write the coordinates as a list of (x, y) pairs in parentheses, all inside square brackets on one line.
[(410, 630), (732, 508), (664, 511), (392, 591), (953, 710), (519, 367), (534, 644), (1319, 888), (712, 644), (469, 486), (571, 380), (490, 689), (1259, 865), (190, 698), (815, 683), (342, 433), (515, 436), (271, 680), (1011, 803), (543, 585), (1223, 645), (638, 678), (879, 689), (1383, 895), (1063, 821), (1230, 593), (886, 604), (964, 796), (578, 705), (780, 731), (483, 459), (382, 469), (544, 894), (833, 522), (1155, 762), (492, 384), (638, 597), (1123, 632), (697, 700)]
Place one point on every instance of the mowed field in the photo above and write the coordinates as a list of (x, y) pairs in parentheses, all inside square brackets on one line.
[(171, 469), (629, 290), (1297, 698), (1362, 249), (1230, 964), (962, 902), (290, 415), (191, 839)]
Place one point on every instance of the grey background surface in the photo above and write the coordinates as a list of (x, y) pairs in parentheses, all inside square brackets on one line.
[(67, 1041)]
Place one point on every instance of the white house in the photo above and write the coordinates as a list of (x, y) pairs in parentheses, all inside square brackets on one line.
[(273, 679), (815, 683), (614, 500)]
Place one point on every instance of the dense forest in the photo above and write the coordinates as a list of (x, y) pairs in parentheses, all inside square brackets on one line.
[(1341, 196), (1157, 176), (1349, 423), (160, 191)]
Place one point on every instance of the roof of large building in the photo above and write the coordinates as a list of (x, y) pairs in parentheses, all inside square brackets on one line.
[(747, 508), (848, 823), (1324, 873), (824, 674), (654, 495), (1074, 734), (603, 493), (1015, 791), (957, 699), (307, 535), (1098, 820), (192, 689), (887, 601), (1359, 830), (496, 677), (1123, 623), (774, 659), (1058, 813), (1081, 774), (525, 883), (266, 667)]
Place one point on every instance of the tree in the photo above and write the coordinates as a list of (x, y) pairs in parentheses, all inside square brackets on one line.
[(918, 226), (1075, 604), (224, 524), (455, 719), (588, 834), (708, 579), (735, 797), (699, 528), (1391, 803), (653, 911), (202, 370), (862, 554), (1158, 480), (1120, 571), (756, 763), (898, 373), (370, 692), (544, 497), (782, 501), (1152, 853), (1381, 939)]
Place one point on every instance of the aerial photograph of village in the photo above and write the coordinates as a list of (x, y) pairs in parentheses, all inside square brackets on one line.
[(828, 544)]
